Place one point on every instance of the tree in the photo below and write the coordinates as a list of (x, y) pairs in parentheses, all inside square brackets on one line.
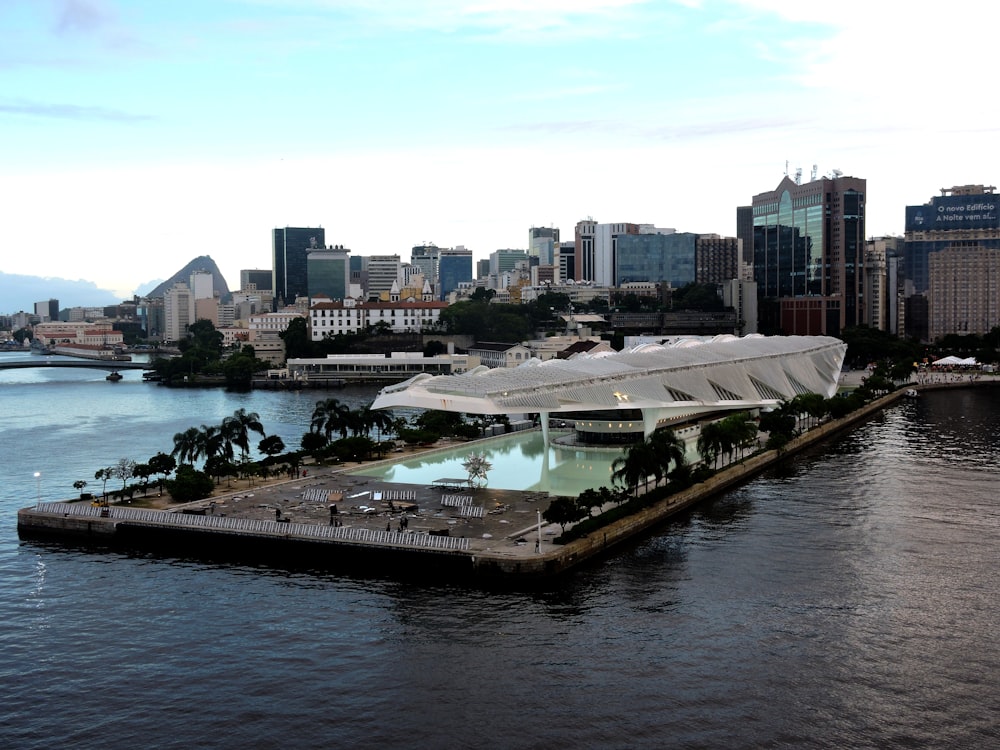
[(434, 347), (563, 510), (670, 452), (189, 484), (78, 485), (238, 427), (296, 337), (330, 416), (163, 464), (123, 470), (103, 475), (271, 445), (313, 442), (638, 463), (186, 447), (212, 441), (710, 443), (142, 472)]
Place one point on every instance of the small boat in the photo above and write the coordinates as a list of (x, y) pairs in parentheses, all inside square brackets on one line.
[(114, 377), (911, 393)]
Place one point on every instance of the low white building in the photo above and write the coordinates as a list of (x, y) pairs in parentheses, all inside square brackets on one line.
[(492, 354), (328, 318), (395, 366)]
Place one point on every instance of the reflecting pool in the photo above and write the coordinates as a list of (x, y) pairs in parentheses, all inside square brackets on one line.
[(520, 462)]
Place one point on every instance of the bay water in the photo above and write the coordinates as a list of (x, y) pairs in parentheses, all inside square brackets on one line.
[(844, 599)]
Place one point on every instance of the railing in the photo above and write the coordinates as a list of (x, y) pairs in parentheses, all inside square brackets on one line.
[(269, 528)]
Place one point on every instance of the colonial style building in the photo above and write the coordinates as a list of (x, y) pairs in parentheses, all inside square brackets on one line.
[(328, 318)]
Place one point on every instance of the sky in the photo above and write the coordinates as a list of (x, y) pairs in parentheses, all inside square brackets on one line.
[(136, 135)]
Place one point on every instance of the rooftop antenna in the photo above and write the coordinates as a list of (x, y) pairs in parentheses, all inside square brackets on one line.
[(798, 176), (786, 167), (812, 175)]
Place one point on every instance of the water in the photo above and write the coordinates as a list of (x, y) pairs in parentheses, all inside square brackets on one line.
[(518, 463), (845, 600)]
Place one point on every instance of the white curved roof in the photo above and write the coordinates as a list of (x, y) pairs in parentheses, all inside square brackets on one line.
[(724, 373)]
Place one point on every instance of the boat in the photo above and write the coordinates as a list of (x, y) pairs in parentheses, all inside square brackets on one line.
[(114, 377), (37, 347), (911, 393)]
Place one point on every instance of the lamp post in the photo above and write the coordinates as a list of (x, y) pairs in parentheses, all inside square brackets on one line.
[(538, 544), (38, 487)]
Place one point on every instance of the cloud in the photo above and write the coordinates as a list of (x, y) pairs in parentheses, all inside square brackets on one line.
[(69, 112), (483, 17), (77, 16)]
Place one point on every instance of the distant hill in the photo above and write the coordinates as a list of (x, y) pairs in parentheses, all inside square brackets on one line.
[(19, 292), (201, 263)]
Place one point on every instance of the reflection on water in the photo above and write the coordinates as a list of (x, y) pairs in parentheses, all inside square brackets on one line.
[(520, 462)]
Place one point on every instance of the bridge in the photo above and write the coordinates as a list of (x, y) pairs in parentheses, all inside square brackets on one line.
[(92, 364)]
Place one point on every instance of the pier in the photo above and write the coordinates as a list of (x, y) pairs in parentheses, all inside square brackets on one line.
[(505, 542)]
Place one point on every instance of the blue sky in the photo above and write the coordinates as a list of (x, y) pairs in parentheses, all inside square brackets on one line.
[(139, 134)]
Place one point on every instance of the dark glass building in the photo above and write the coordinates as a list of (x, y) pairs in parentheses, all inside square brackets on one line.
[(292, 246), (808, 255), (656, 257), (329, 273), (454, 267)]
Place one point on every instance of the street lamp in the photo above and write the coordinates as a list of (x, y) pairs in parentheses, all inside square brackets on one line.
[(538, 544), (38, 487)]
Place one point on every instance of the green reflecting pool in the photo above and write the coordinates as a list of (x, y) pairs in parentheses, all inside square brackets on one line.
[(520, 462)]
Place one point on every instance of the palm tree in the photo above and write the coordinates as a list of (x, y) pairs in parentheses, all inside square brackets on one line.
[(381, 421), (212, 442), (669, 451), (638, 463), (186, 445), (330, 416), (710, 443), (238, 427)]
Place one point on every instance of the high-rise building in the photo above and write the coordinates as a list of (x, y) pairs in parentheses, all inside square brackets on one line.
[(48, 310), (178, 307), (261, 278), (655, 257), (427, 257), (963, 297), (454, 267), (596, 250), (383, 270), (962, 216), (883, 291), (503, 261), (808, 243), (291, 248), (543, 243), (717, 259), (329, 272)]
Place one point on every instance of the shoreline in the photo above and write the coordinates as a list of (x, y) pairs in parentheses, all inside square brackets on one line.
[(241, 523)]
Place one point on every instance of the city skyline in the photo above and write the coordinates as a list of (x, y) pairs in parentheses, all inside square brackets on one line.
[(149, 135)]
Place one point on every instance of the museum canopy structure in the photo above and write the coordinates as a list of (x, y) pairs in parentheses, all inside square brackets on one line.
[(664, 383)]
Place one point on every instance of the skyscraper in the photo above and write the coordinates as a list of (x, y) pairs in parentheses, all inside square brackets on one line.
[(454, 267), (290, 267), (808, 245), (543, 243), (329, 272), (596, 250)]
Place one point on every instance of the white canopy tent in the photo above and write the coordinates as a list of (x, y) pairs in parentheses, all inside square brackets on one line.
[(954, 361)]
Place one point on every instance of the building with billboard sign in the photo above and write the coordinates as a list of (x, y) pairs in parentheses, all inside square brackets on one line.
[(965, 216)]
